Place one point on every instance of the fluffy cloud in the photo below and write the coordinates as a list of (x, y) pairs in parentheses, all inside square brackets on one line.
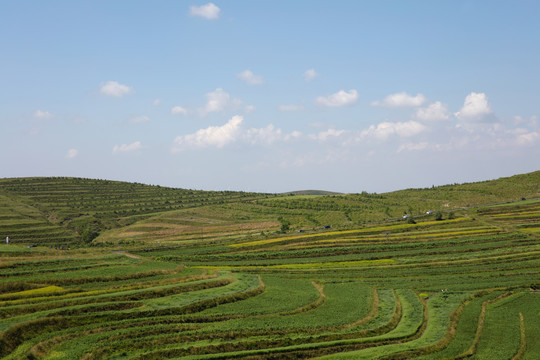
[(310, 75), (250, 77), (156, 102), (178, 110), (217, 136), (219, 100), (127, 147), (341, 98), (208, 11), (475, 108), (386, 129), (139, 119), (401, 100), (525, 137), (267, 135), (115, 89), (294, 135), (434, 112), (40, 114), (290, 108), (72, 153), (229, 133)]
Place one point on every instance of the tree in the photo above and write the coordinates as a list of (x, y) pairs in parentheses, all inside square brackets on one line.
[(89, 232), (438, 216), (285, 224)]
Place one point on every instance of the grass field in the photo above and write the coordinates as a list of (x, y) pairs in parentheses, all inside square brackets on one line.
[(223, 278)]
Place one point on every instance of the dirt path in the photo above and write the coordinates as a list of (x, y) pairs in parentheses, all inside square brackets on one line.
[(127, 254)]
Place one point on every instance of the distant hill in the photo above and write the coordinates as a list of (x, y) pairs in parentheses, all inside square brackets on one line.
[(311, 192)]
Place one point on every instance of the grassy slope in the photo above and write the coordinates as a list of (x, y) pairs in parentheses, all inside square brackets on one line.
[(56, 210), (69, 205), (311, 212)]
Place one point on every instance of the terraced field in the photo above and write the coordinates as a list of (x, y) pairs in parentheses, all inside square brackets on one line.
[(462, 287), (67, 211)]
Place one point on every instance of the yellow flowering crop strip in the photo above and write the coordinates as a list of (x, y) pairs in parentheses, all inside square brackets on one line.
[(515, 214), (39, 291), (314, 265), (405, 237), (416, 236), (356, 231), (59, 296), (531, 230), (340, 264)]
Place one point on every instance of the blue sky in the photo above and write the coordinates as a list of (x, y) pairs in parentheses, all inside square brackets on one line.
[(346, 96)]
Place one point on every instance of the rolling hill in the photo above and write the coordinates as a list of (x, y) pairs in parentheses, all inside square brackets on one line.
[(181, 274)]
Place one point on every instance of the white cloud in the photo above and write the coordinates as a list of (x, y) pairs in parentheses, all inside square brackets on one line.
[(115, 89), (40, 114), (341, 98), (401, 100), (139, 119), (290, 108), (294, 135), (324, 135), (72, 153), (127, 147), (217, 136), (250, 77), (156, 102), (524, 137), (249, 109), (413, 146), (229, 133), (476, 107), (216, 100), (219, 100), (208, 11), (178, 110), (435, 111), (531, 122), (401, 129), (310, 75), (266, 135)]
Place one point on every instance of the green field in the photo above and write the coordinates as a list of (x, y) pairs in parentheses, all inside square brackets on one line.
[(131, 271)]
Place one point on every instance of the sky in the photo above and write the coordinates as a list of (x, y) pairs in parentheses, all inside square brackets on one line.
[(273, 96)]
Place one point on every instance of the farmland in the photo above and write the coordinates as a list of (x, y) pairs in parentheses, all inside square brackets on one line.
[(131, 271)]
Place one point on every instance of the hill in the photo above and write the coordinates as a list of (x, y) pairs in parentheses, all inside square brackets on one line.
[(176, 273), (311, 192), (72, 210)]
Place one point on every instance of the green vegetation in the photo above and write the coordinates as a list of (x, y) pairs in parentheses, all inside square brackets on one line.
[(130, 271)]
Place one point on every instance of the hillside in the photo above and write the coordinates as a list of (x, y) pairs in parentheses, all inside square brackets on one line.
[(59, 211), (68, 210)]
